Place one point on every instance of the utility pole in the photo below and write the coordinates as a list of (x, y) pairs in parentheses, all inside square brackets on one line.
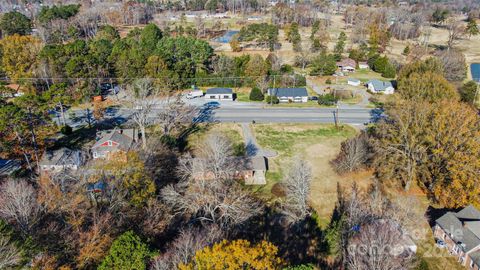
[(335, 117), (477, 80), (273, 91)]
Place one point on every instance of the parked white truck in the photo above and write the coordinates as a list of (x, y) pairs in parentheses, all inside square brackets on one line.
[(195, 93)]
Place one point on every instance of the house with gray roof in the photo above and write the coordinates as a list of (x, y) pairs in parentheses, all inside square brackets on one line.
[(113, 141), (219, 94), (9, 167), (377, 87), (460, 231), (289, 94), (254, 170), (61, 159)]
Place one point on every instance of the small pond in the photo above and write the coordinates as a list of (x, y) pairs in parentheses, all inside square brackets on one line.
[(226, 37), (475, 70)]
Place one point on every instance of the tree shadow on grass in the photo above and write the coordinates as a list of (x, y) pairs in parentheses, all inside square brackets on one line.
[(298, 243)]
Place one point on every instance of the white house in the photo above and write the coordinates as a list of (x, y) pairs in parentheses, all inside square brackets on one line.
[(363, 65), (353, 81), (377, 86), (298, 95), (219, 94)]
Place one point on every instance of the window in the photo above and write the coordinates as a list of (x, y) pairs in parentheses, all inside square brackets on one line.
[(471, 263), (109, 143), (226, 96), (212, 97)]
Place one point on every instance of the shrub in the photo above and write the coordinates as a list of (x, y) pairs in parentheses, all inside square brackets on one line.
[(127, 252), (256, 94), (327, 99), (66, 130), (344, 94), (468, 91), (389, 71), (272, 99), (328, 81), (239, 149)]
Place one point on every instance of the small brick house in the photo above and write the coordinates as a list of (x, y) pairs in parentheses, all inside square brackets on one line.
[(461, 233)]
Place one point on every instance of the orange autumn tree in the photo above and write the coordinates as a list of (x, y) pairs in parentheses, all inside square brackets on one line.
[(237, 254), (434, 145)]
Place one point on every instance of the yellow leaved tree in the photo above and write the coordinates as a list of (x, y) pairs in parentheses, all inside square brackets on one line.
[(237, 254), (19, 55)]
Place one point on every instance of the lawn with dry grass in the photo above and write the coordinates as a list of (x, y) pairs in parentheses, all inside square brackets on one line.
[(316, 143)]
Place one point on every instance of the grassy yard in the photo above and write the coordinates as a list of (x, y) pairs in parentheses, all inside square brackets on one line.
[(232, 131), (316, 143)]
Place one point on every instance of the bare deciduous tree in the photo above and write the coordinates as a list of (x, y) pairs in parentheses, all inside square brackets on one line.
[(9, 254), (353, 155), (189, 241), (18, 204), (207, 190), (373, 231), (456, 31), (175, 116), (377, 246), (297, 190), (143, 105), (156, 218), (454, 61)]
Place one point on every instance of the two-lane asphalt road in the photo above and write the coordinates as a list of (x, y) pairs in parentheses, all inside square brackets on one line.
[(292, 115), (246, 113)]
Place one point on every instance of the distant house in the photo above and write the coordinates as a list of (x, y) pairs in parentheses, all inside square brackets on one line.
[(113, 141), (251, 170), (347, 65), (353, 82), (460, 233), (219, 94), (61, 159), (289, 94), (377, 86), (11, 91), (9, 167), (363, 65), (254, 170)]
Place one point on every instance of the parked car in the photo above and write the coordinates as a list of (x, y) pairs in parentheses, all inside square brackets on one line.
[(212, 104), (195, 94), (314, 98), (440, 244)]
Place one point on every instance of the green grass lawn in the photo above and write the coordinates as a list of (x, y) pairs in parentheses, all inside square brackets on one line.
[(364, 75)]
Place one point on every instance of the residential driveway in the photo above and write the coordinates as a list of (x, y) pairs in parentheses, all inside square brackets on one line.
[(253, 149)]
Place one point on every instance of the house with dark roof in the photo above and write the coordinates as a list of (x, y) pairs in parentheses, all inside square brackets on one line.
[(289, 94), (219, 94), (114, 141), (61, 159), (9, 167), (380, 87), (347, 65), (460, 231)]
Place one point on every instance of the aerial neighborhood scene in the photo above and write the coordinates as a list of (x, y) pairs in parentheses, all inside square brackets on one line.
[(239, 134)]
